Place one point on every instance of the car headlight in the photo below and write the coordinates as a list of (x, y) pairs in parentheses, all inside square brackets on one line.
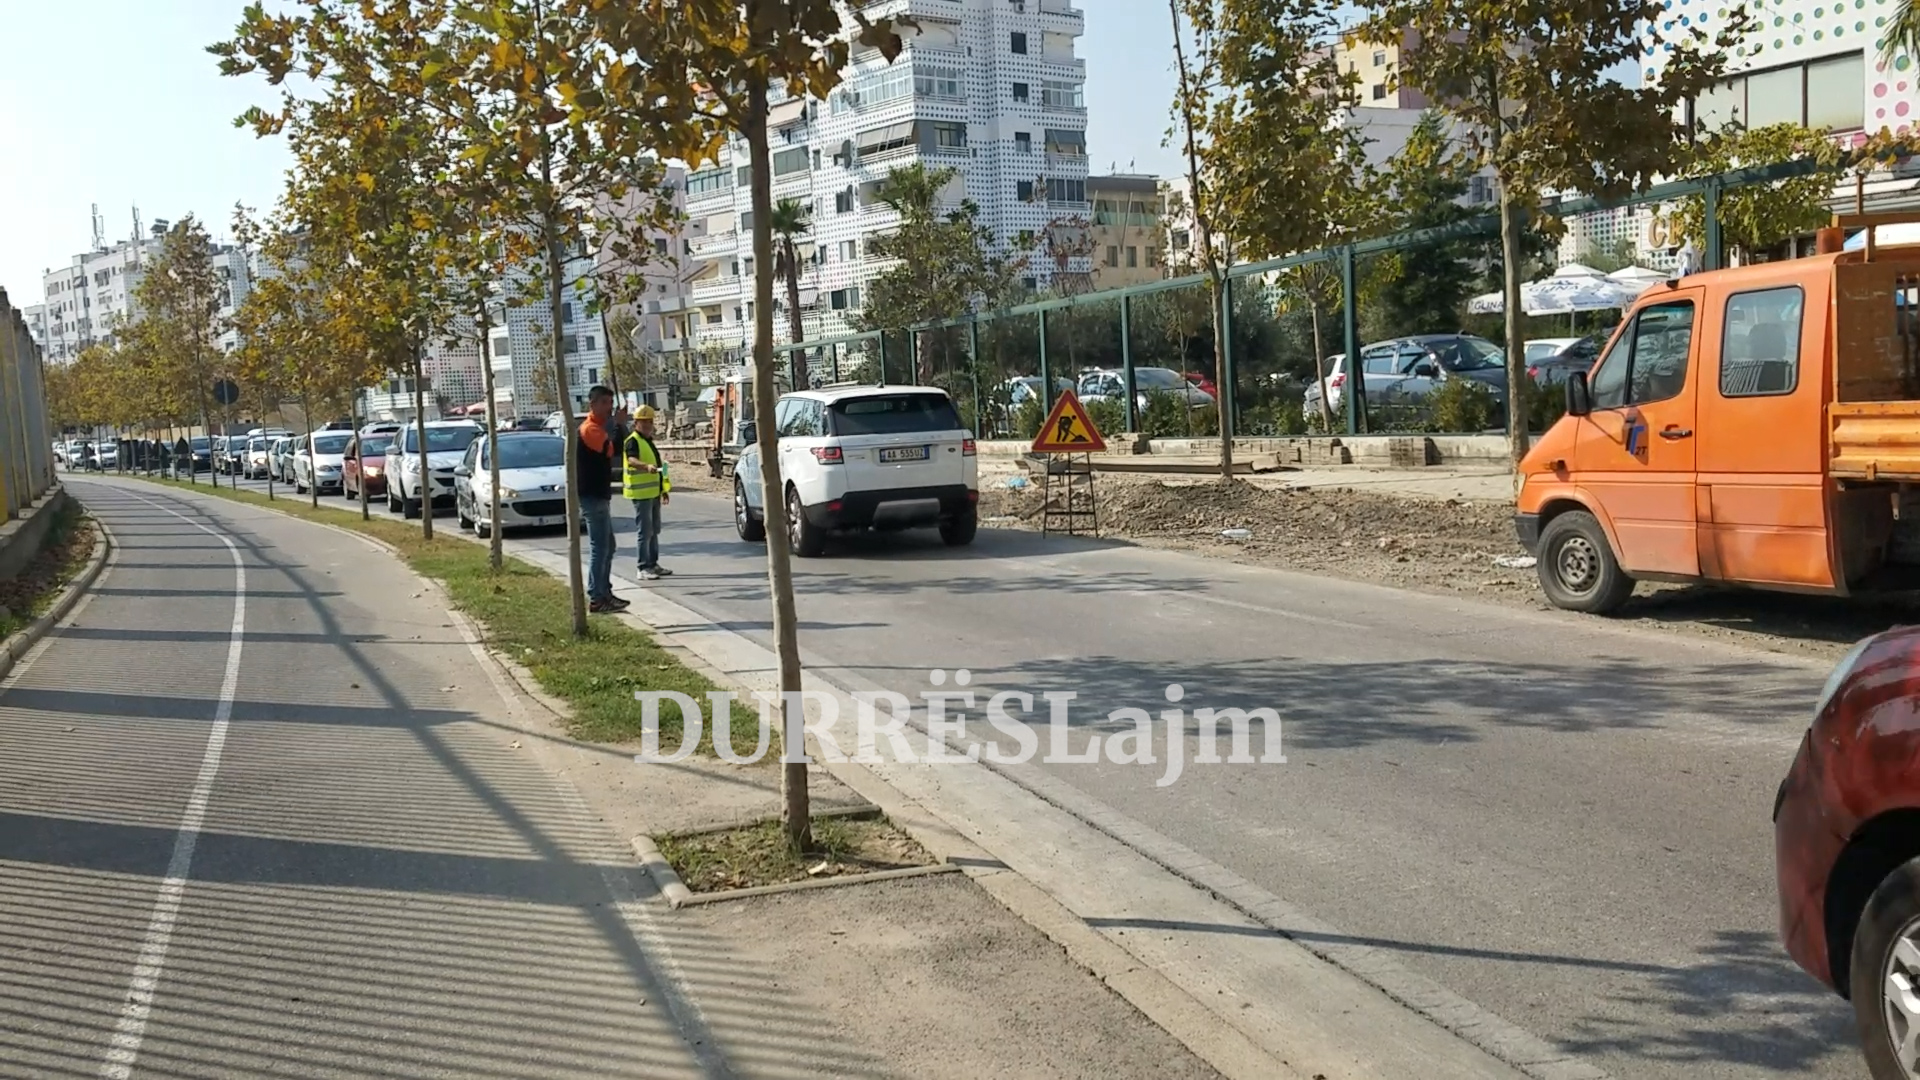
[(410, 465), (373, 470), (509, 493), (1839, 675)]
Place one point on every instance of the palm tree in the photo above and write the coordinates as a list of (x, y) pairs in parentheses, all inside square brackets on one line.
[(1903, 31), (790, 221)]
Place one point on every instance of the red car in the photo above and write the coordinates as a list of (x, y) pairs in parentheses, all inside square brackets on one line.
[(1847, 847), (365, 463), (1204, 382)]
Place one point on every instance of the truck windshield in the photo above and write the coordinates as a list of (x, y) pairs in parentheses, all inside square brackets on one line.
[(894, 414)]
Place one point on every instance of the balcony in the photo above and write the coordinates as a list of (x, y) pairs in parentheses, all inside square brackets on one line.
[(1067, 159), (717, 290), (1068, 206), (716, 245), (1061, 17)]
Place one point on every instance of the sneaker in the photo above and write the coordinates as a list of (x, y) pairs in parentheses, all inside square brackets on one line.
[(649, 575), (662, 571), (619, 603), (601, 607)]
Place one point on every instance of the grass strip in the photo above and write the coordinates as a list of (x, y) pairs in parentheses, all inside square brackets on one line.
[(524, 613), (63, 553), (759, 854)]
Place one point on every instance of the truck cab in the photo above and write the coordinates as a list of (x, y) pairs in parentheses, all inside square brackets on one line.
[(1757, 426)]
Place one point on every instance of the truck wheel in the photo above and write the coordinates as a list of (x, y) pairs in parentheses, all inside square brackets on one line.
[(751, 529), (802, 538), (1577, 569), (1885, 975)]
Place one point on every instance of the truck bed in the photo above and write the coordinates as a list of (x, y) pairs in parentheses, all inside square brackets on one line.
[(1874, 440)]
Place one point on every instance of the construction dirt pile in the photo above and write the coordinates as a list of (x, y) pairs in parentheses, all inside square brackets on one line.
[(1456, 544)]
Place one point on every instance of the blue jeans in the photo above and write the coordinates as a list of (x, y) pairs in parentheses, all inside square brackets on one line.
[(646, 519), (599, 517)]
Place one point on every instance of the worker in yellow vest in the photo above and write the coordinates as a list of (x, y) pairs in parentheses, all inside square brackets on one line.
[(646, 483)]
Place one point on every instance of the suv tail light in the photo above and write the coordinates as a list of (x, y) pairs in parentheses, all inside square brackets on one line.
[(827, 455), (1337, 381), (1533, 372), (968, 448)]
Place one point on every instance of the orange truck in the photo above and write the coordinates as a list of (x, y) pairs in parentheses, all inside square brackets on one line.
[(1754, 427)]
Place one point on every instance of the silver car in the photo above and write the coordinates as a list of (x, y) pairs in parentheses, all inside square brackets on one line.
[(1148, 382)]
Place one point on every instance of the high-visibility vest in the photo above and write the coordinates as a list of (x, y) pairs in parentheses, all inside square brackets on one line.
[(641, 486)]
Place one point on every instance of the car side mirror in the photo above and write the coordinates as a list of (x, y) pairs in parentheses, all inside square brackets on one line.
[(1579, 398), (749, 432), (1426, 370), (462, 470)]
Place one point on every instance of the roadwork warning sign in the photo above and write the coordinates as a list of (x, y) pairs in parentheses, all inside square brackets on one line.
[(1068, 430)]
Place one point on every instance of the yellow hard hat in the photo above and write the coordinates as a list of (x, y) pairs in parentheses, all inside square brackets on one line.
[(644, 412)]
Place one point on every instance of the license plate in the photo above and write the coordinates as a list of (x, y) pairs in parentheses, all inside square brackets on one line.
[(904, 453)]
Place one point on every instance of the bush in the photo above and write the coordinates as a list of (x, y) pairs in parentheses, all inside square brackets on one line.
[(1545, 406), (1462, 405), (1028, 418), (1108, 415)]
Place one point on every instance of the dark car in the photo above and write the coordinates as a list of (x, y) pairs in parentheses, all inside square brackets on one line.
[(202, 454), (1846, 826), (1551, 360)]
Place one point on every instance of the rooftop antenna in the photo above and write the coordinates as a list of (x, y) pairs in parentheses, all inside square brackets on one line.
[(99, 229), (136, 234)]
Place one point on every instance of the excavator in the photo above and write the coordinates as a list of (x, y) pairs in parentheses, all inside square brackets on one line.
[(732, 411)]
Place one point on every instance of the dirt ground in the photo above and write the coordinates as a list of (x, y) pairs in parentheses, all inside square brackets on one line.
[(1446, 545)]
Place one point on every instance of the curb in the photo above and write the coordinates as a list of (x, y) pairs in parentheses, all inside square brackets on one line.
[(21, 641), (679, 896)]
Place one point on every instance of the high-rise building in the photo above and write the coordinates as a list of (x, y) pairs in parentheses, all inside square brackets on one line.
[(90, 298), (989, 88)]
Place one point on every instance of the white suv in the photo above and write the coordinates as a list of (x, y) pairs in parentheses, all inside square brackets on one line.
[(447, 442), (866, 457)]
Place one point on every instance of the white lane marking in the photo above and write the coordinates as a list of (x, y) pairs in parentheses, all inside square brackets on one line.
[(132, 1027)]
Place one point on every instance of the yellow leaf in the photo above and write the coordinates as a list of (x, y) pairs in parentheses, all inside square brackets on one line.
[(366, 180)]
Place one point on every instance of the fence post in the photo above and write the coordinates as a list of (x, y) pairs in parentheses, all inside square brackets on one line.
[(1223, 405), (913, 358), (883, 358), (1710, 197), (1350, 328), (1126, 359), (973, 369), (1046, 371)]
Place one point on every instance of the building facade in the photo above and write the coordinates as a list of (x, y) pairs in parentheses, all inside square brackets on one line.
[(87, 300), (989, 88), (1129, 230)]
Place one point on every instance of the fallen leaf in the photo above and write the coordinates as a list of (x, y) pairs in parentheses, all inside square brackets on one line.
[(448, 689), (356, 686), (816, 870), (515, 744)]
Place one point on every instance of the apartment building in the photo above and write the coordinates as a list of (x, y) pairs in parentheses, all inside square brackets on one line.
[(990, 88), (1375, 67), (96, 293), (1128, 234)]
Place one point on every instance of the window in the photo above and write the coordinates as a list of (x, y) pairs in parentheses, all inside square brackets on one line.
[(1649, 363), (894, 414), (881, 140), (1019, 43), (1019, 91), (1113, 255), (1133, 257), (1023, 190), (531, 452), (849, 250), (708, 180), (949, 135), (844, 299), (1153, 256), (566, 312), (1379, 58), (1760, 346), (1179, 239), (1834, 93), (889, 83), (938, 81), (1776, 97), (439, 439), (843, 201), (1062, 95), (1829, 93), (788, 162), (1061, 190), (1023, 141), (1379, 91), (570, 343), (1066, 142)]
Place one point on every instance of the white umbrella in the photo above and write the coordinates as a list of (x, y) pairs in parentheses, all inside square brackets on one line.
[(1639, 275), (1562, 294)]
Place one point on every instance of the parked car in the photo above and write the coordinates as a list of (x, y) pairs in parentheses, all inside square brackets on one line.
[(280, 458), (318, 464), (531, 474), (864, 457), (1102, 384), (203, 452), (1551, 360), (1847, 849), (363, 465), (1204, 382), (1404, 371), (408, 492), (258, 456)]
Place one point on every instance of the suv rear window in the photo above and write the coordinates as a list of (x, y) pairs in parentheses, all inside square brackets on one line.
[(893, 414)]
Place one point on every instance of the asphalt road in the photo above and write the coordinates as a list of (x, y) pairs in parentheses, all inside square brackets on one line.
[(1565, 822), (257, 815)]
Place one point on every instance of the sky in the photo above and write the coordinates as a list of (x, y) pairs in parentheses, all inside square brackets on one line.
[(139, 114)]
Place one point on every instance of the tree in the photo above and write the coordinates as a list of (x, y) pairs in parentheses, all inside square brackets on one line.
[(946, 266), (715, 63), (1758, 216), (1530, 79), (181, 296), (1422, 289), (791, 221)]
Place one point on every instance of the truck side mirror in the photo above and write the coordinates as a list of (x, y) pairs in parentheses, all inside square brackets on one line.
[(1579, 400)]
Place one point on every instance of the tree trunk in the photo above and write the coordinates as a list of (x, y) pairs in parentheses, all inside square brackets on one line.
[(556, 266), (1209, 258), (420, 433), (797, 814), (391, 454), (797, 326), (1222, 378), (494, 553), (1320, 365), (313, 490), (1518, 383)]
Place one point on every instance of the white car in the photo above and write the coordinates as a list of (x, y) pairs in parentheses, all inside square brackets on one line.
[(447, 441), (259, 458), (318, 461), (532, 478), (867, 457)]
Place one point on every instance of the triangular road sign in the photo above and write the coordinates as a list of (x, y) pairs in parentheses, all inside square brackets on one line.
[(1068, 430)]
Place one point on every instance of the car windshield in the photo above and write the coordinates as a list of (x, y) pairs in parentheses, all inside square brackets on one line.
[(440, 439), (1153, 378), (258, 445), (375, 445), (330, 444), (536, 453), (1467, 353), (201, 442), (894, 414), (1541, 350)]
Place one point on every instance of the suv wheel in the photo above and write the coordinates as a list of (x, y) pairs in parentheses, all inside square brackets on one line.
[(750, 528), (1885, 976), (802, 538), (958, 530), (1577, 569)]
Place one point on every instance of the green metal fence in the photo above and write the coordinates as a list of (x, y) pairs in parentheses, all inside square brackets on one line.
[(1270, 355)]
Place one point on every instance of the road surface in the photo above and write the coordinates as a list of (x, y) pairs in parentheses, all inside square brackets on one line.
[(252, 821), (1565, 822)]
